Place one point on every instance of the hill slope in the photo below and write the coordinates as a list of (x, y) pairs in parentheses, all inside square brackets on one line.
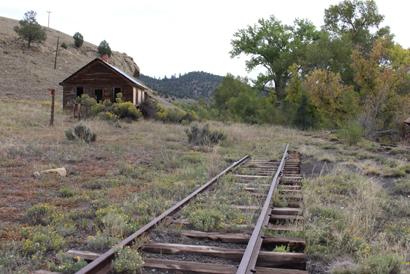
[(28, 73), (194, 85)]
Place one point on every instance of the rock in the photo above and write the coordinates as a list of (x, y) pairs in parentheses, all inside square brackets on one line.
[(36, 175), (61, 171)]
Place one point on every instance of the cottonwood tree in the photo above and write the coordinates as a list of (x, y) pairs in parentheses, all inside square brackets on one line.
[(274, 46), (380, 80), (333, 100), (355, 19), (30, 30)]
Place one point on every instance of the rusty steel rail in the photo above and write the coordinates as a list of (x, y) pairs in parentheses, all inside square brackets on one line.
[(250, 256), (103, 263)]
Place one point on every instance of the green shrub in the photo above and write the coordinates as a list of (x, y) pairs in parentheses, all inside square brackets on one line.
[(281, 248), (402, 188), (65, 264), (203, 136), (81, 132), (101, 242), (126, 260), (175, 115), (352, 132), (125, 110), (64, 45), (324, 212), (78, 39), (66, 192), (39, 211), (380, 263), (108, 116)]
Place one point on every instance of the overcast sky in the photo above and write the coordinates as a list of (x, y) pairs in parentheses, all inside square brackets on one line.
[(170, 37)]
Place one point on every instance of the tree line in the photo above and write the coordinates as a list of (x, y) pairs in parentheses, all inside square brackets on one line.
[(349, 70)]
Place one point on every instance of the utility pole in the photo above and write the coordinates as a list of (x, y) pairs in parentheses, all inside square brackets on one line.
[(48, 19)]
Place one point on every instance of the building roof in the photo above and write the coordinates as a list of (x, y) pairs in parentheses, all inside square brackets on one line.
[(110, 66)]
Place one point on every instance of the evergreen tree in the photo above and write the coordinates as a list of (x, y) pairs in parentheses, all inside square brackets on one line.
[(78, 39), (104, 48), (302, 118), (30, 30)]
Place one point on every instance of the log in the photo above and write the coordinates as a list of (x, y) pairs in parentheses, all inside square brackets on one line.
[(265, 258), (381, 133), (286, 211), (85, 255)]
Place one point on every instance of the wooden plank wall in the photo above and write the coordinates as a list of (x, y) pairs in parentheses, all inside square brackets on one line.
[(97, 76)]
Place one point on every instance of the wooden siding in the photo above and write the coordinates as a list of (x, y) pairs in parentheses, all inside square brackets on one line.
[(97, 76)]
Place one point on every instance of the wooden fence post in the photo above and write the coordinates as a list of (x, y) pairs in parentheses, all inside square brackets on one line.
[(52, 91)]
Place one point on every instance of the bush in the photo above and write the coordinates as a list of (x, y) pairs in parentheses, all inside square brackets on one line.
[(204, 136), (125, 110), (175, 115), (78, 39), (82, 132), (148, 110), (64, 45), (66, 192), (104, 48), (126, 260), (352, 132), (66, 264)]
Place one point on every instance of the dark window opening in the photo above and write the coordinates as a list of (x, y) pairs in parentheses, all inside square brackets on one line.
[(116, 91), (79, 92), (98, 95)]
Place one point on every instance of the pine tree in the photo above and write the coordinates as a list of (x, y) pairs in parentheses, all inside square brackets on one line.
[(302, 118), (30, 30), (78, 39), (104, 48)]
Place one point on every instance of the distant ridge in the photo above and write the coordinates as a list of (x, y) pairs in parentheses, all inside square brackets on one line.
[(194, 85)]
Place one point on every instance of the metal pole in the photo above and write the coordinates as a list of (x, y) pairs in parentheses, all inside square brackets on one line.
[(55, 61), (52, 107), (48, 19)]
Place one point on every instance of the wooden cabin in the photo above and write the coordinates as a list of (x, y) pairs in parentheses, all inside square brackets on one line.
[(102, 81)]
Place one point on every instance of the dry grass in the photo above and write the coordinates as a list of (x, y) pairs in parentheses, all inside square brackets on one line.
[(131, 173)]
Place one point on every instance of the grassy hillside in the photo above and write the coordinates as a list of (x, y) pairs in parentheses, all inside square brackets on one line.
[(28, 73)]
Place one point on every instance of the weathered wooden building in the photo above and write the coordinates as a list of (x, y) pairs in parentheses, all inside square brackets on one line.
[(102, 81)]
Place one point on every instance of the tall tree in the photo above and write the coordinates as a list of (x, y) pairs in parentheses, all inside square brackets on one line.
[(330, 53), (355, 19), (333, 100), (274, 46), (30, 30), (380, 80)]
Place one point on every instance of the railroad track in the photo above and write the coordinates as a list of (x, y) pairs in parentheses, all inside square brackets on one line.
[(275, 188)]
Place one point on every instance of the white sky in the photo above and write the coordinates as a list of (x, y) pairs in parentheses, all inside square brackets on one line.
[(170, 37)]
